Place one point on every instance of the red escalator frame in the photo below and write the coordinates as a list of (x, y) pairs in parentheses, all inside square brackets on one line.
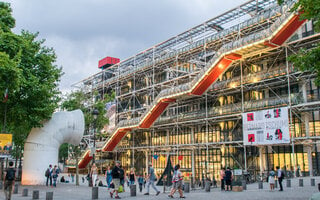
[(85, 160)]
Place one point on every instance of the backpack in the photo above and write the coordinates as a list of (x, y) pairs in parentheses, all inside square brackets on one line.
[(282, 174), (10, 174), (47, 174)]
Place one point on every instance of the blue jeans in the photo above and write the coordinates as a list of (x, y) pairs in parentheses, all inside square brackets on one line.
[(131, 182), (153, 186)]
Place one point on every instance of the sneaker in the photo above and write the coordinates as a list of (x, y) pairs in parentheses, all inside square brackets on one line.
[(146, 193), (183, 197), (170, 196), (158, 193), (111, 194), (117, 197)]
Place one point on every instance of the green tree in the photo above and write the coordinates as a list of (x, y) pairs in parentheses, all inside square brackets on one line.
[(28, 71), (308, 60), (63, 152), (77, 100)]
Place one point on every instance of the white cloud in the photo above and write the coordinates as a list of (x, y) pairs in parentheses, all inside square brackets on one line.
[(84, 31)]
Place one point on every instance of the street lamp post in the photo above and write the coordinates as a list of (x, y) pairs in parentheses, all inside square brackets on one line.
[(95, 114)]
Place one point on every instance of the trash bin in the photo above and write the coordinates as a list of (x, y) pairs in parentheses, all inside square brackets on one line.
[(207, 186), (186, 187), (133, 190), (244, 185)]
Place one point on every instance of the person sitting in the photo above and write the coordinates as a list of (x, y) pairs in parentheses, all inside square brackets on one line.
[(62, 180)]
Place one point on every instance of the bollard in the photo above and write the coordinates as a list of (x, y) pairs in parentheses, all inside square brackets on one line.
[(207, 186), (186, 187), (288, 182), (49, 195), (133, 190), (35, 194), (16, 187), (275, 183), (300, 182), (202, 184), (313, 182), (319, 187), (260, 185), (95, 192), (244, 185), (25, 192), (1, 185)]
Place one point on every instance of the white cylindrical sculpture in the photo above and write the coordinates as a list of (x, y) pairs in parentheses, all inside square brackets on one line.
[(42, 145)]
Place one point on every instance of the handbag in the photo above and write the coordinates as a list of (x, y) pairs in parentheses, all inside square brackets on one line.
[(120, 189)]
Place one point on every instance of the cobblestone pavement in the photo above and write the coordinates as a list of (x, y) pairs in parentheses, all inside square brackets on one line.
[(72, 192)]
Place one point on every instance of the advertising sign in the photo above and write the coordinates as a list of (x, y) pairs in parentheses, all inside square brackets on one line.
[(266, 127), (5, 142)]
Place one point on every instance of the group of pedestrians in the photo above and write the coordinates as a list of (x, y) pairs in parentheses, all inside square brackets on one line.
[(226, 178), (52, 175), (116, 177), (279, 175)]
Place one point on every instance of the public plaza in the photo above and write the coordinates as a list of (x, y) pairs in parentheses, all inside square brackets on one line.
[(83, 192)]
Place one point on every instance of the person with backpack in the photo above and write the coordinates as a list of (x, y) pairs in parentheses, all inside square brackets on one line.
[(228, 179), (116, 180), (177, 182), (122, 179), (48, 175), (8, 180), (280, 176)]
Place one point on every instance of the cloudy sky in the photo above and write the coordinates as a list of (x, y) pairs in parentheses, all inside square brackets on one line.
[(84, 31)]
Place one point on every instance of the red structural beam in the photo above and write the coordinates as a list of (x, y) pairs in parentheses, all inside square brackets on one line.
[(115, 140), (154, 114), (286, 31), (214, 73), (85, 160)]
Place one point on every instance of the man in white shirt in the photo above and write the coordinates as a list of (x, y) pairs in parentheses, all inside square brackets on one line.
[(280, 177)]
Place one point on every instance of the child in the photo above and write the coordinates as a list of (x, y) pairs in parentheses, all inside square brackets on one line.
[(141, 182)]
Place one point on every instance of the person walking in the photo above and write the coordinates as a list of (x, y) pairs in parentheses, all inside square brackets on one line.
[(132, 177), (48, 175), (108, 176), (177, 182), (8, 180), (280, 176), (122, 177), (72, 177), (228, 178), (271, 180), (222, 177), (151, 178), (55, 174), (141, 182), (116, 180), (94, 174)]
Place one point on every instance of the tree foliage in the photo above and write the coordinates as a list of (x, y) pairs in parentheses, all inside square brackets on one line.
[(308, 60), (28, 71), (77, 100)]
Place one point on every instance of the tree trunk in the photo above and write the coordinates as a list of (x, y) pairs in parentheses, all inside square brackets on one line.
[(16, 161), (77, 171)]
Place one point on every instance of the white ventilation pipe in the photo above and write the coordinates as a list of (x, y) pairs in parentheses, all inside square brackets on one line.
[(42, 146)]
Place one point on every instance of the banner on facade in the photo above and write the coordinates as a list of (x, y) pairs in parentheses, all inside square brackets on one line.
[(5, 142), (266, 127)]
